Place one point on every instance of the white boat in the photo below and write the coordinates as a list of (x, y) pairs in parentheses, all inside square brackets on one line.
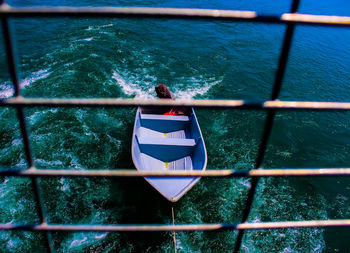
[(164, 142)]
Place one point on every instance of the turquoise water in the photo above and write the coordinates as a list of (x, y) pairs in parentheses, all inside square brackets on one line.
[(124, 58)]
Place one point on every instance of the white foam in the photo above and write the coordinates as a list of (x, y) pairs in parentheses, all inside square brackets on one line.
[(78, 242), (68, 64), (65, 187), (197, 86), (256, 220), (101, 236), (4, 236), (133, 89), (48, 164), (21, 163), (35, 76), (83, 239), (108, 33), (187, 88), (36, 117), (17, 142), (288, 250), (102, 26), (88, 39), (13, 243), (98, 27), (4, 190), (245, 182), (6, 90), (75, 162)]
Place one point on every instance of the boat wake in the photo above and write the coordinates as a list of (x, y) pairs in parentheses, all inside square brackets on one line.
[(270, 206), (135, 89), (7, 90), (184, 88)]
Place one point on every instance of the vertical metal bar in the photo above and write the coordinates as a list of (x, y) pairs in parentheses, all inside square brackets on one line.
[(10, 55), (23, 127), (25, 136), (34, 180), (284, 54), (269, 120)]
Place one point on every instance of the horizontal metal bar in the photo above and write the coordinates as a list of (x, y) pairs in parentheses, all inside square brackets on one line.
[(116, 228), (172, 13), (208, 173), (294, 224), (65, 11), (120, 173), (112, 102), (182, 227), (297, 17), (300, 172), (277, 104)]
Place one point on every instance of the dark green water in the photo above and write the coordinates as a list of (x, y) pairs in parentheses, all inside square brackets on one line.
[(123, 58)]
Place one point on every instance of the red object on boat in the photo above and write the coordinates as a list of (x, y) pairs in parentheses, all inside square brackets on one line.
[(164, 93), (174, 113), (170, 113)]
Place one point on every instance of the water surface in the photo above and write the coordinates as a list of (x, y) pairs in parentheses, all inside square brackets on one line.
[(126, 58)]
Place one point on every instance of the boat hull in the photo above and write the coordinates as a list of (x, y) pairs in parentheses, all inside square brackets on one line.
[(164, 143)]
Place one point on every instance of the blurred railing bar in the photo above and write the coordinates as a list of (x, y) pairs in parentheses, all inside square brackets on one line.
[(208, 173), (20, 114), (287, 41), (217, 104), (173, 13), (10, 55), (179, 227)]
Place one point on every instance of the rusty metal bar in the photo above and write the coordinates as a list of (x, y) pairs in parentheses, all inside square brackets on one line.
[(208, 173), (181, 227), (222, 104), (172, 13)]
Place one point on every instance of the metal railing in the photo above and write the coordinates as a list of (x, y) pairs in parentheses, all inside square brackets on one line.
[(290, 19)]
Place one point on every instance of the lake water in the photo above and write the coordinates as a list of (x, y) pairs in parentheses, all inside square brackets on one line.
[(126, 58)]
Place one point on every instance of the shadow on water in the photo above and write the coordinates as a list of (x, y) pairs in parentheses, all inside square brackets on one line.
[(136, 202), (139, 203)]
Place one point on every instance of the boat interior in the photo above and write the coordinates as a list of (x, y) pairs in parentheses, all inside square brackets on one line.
[(166, 142)]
